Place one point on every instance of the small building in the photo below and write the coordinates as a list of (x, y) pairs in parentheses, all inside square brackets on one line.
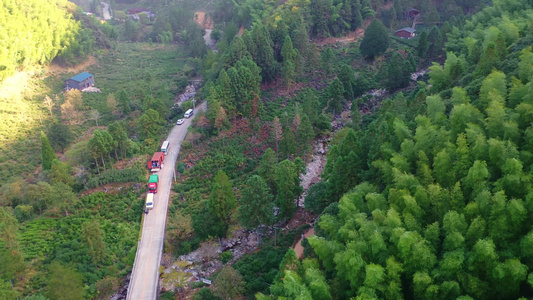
[(405, 33), (412, 13), (80, 81), (134, 13)]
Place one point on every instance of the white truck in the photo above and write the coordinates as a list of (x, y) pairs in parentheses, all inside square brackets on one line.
[(149, 201)]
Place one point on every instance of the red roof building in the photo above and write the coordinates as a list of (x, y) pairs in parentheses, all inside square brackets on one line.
[(405, 33)]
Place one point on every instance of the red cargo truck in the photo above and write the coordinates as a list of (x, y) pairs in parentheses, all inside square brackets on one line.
[(152, 184), (156, 163)]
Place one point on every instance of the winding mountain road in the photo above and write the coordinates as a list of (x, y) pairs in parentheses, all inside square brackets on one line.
[(145, 274)]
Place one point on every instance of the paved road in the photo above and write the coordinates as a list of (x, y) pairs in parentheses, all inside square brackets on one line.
[(105, 11), (145, 274)]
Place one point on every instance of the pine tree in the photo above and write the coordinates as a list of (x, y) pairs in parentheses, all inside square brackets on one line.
[(288, 143), (225, 93), (287, 186), (422, 44), (304, 134), (376, 40), (256, 205), (267, 166), (327, 59), (278, 133), (222, 200), (347, 77), (237, 50), (321, 13), (290, 58), (394, 72), (265, 52), (47, 153), (335, 95)]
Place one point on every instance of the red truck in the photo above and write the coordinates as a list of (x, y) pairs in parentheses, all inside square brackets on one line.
[(156, 163), (152, 184)]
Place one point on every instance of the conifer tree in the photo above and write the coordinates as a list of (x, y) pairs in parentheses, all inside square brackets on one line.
[(47, 153), (287, 186), (376, 40), (265, 52), (222, 199), (256, 205), (304, 134), (267, 166), (288, 143), (422, 44), (347, 77), (335, 94)]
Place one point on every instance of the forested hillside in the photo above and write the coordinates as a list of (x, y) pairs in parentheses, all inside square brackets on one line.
[(426, 189), (434, 193), (72, 163), (35, 32)]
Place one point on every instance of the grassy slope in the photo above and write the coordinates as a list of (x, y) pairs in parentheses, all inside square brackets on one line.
[(23, 116)]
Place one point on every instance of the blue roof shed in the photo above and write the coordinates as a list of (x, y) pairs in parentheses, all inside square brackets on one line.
[(80, 81)]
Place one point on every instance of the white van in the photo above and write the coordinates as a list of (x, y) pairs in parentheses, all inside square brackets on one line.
[(149, 201), (165, 147), (188, 113)]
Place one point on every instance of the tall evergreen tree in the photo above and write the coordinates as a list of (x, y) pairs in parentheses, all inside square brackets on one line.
[(376, 40), (321, 13), (222, 199), (422, 44), (265, 52), (347, 77), (304, 134), (335, 94), (47, 153), (256, 205), (287, 186)]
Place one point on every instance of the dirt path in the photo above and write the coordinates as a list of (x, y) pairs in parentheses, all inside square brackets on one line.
[(105, 11), (208, 41), (299, 249)]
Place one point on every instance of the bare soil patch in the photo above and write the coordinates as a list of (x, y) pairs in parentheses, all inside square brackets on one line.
[(203, 21), (57, 69)]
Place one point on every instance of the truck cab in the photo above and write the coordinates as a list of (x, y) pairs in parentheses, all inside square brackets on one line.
[(153, 183)]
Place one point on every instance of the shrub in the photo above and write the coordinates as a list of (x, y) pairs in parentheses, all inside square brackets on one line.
[(226, 256), (115, 175), (316, 199)]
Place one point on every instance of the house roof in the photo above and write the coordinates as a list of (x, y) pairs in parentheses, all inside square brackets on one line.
[(81, 77), (408, 29)]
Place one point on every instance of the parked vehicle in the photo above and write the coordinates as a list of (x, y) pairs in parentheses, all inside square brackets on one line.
[(180, 121), (165, 146), (156, 163), (153, 182), (188, 113), (149, 201)]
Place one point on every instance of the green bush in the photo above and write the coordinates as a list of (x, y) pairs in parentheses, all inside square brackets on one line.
[(226, 256), (259, 269), (115, 175), (316, 199)]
